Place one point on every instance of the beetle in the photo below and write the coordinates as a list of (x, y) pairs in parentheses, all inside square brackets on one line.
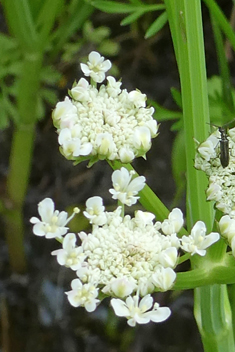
[(224, 147), (224, 143)]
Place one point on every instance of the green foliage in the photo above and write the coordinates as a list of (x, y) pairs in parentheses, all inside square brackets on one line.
[(11, 66), (98, 37), (136, 9)]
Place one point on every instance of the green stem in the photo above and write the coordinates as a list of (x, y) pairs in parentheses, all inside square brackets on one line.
[(20, 160), (215, 326)]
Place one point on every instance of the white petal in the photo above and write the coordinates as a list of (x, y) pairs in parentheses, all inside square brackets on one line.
[(198, 229), (34, 220), (94, 57), (39, 229), (119, 307), (137, 184), (85, 69), (86, 149), (65, 135), (46, 209), (91, 306), (146, 303), (161, 314), (210, 239), (76, 284)]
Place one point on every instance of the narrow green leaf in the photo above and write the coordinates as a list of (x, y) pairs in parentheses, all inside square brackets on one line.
[(119, 7), (132, 18), (156, 25), (114, 7), (46, 19), (176, 95), (222, 21)]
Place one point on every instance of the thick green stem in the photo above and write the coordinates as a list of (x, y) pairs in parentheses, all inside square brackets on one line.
[(20, 160), (215, 326)]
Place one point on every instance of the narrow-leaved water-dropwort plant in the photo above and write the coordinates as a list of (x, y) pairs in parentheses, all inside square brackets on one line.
[(124, 257)]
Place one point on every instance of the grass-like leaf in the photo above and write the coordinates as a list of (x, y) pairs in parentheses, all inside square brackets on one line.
[(156, 25)]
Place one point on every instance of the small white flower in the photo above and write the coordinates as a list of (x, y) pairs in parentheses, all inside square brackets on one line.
[(139, 312), (198, 241), (70, 256), (96, 67), (227, 227), (145, 286), (105, 145), (83, 295), (214, 192), (168, 257), (113, 87), (138, 99), (174, 222), (144, 218), (65, 113), (207, 148), (142, 138), (95, 211), (80, 92), (126, 155), (70, 141), (125, 189), (120, 287), (53, 223), (164, 278), (153, 127)]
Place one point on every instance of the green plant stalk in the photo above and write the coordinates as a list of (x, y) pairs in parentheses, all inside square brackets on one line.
[(214, 338), (187, 34), (33, 38), (20, 160)]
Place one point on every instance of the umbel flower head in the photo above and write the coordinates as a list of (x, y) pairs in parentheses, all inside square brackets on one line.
[(123, 257), (106, 122), (221, 187)]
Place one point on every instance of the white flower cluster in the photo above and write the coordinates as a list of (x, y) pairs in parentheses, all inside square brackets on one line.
[(124, 257), (105, 123), (221, 187)]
